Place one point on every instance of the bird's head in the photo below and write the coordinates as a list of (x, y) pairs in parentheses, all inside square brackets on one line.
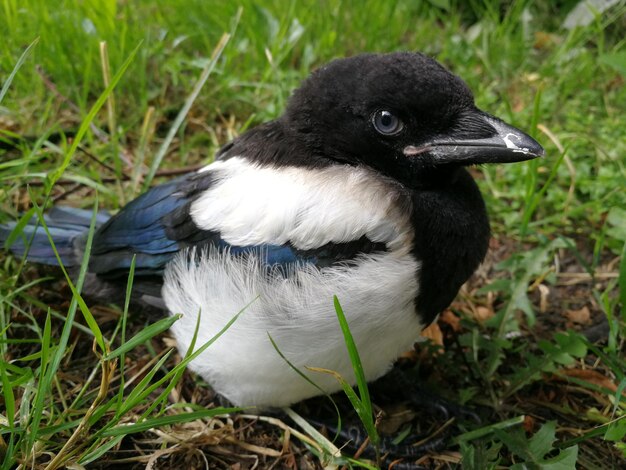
[(402, 114)]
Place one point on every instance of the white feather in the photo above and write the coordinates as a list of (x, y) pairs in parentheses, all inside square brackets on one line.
[(377, 295), (253, 205)]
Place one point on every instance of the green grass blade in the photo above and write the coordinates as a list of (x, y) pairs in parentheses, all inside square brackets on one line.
[(309, 380), (87, 315), (100, 451), (191, 356), (176, 373), (144, 335), (326, 445), (349, 391), (45, 343), (622, 282), (18, 65), (140, 393), (84, 126), (594, 432), (352, 351), (487, 430), (7, 393), (156, 162), (49, 430), (129, 290), (167, 420), (173, 377), (19, 227), (365, 409), (8, 449), (141, 390), (619, 396), (45, 384)]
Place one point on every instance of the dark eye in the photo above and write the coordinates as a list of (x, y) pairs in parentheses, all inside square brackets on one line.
[(386, 123)]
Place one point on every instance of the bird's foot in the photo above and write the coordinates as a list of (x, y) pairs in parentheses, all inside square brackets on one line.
[(398, 385), (353, 439), (406, 402)]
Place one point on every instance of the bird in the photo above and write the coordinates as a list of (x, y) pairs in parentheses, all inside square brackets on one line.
[(359, 190)]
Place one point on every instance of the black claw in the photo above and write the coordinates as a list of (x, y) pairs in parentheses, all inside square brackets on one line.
[(396, 387), (401, 386), (351, 438), (354, 434)]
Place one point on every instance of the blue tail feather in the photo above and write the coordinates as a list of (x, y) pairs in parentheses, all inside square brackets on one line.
[(68, 227)]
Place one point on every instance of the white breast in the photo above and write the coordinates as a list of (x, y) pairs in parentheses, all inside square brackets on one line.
[(377, 291), (377, 296)]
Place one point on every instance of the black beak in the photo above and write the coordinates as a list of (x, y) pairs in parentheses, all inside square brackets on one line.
[(508, 144)]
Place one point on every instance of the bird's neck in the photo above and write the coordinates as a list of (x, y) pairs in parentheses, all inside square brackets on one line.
[(451, 238)]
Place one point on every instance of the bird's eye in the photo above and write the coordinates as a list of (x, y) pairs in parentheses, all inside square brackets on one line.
[(386, 123)]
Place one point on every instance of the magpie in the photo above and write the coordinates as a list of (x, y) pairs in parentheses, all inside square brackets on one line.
[(359, 190)]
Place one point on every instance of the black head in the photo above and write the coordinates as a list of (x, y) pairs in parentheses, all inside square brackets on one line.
[(400, 113)]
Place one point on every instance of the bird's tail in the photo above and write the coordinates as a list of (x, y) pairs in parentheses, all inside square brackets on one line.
[(68, 227)]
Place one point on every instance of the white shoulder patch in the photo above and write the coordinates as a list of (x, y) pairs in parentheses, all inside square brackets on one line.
[(253, 205)]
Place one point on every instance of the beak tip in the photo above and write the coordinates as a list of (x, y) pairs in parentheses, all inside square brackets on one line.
[(536, 152)]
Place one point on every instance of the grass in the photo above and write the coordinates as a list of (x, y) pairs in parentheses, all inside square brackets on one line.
[(537, 337)]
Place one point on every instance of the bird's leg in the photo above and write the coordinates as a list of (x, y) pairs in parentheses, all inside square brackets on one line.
[(431, 416), (398, 385), (352, 435)]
